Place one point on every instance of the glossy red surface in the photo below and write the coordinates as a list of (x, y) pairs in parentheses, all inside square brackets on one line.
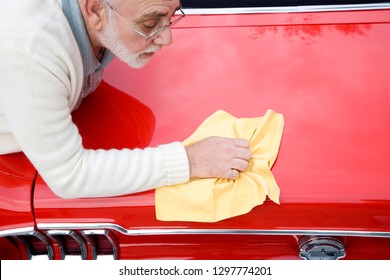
[(225, 247), (113, 119), (16, 178), (231, 247), (9, 250), (327, 73), (330, 81)]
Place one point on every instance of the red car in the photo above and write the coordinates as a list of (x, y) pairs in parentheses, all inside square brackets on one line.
[(324, 65)]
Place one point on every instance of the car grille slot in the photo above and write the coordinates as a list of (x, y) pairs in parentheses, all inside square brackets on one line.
[(34, 244), (69, 243), (103, 243)]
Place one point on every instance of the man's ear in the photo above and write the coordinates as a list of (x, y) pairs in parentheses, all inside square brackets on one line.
[(94, 12)]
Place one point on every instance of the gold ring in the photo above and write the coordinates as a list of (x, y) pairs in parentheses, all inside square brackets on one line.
[(235, 173)]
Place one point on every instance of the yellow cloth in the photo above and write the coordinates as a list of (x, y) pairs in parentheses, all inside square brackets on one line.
[(211, 199)]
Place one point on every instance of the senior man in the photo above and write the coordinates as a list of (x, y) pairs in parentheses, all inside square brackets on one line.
[(52, 54)]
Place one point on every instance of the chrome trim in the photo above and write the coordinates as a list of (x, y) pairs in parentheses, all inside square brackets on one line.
[(45, 240), (25, 244), (29, 252), (17, 231), (140, 232), (92, 244), (114, 243), (286, 9), (110, 237), (58, 242), (83, 246)]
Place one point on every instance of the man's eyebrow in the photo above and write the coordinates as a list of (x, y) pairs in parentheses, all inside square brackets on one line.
[(155, 14)]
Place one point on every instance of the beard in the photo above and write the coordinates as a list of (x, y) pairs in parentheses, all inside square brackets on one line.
[(111, 40)]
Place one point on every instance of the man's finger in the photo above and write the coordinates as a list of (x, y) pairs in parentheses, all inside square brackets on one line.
[(240, 142), (243, 153)]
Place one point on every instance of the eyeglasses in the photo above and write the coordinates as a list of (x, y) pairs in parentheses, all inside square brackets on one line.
[(174, 19)]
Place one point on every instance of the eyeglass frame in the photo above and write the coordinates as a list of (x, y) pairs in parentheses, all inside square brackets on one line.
[(155, 32)]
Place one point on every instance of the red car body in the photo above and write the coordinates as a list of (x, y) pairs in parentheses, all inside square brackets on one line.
[(325, 68)]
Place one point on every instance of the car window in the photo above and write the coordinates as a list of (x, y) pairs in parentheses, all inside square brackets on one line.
[(268, 3)]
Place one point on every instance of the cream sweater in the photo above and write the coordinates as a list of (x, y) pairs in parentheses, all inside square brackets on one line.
[(41, 75)]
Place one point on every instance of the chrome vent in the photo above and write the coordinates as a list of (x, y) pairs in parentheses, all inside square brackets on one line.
[(68, 242), (102, 241), (33, 244), (60, 244)]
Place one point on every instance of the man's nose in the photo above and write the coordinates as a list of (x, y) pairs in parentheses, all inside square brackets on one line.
[(164, 38)]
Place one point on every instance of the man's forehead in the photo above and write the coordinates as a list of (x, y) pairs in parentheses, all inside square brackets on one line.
[(172, 4), (145, 8)]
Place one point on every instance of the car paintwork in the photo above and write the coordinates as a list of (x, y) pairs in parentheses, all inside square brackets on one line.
[(16, 179), (326, 72)]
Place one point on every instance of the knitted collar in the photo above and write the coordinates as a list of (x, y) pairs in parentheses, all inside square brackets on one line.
[(74, 16)]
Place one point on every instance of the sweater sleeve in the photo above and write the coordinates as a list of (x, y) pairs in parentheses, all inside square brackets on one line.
[(34, 100)]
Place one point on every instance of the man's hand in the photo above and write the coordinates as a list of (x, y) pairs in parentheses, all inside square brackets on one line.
[(218, 157)]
